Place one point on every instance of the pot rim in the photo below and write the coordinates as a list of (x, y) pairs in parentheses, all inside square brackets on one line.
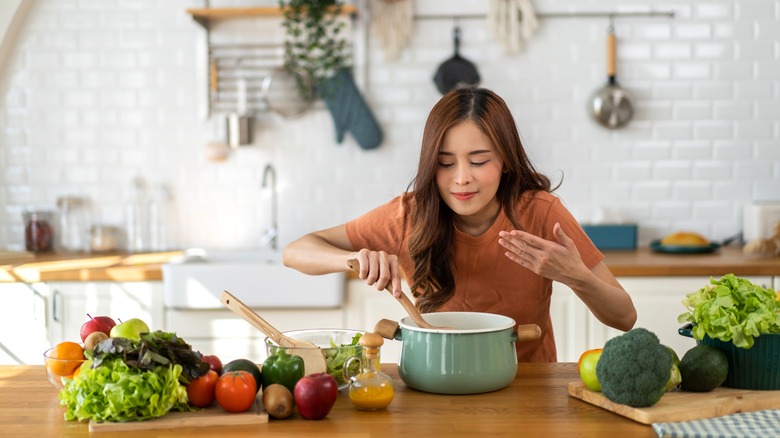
[(501, 322)]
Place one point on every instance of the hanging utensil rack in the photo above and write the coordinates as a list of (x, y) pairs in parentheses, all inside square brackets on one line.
[(229, 63)]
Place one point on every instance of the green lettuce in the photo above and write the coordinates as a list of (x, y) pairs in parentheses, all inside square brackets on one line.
[(115, 391), (339, 354), (732, 309)]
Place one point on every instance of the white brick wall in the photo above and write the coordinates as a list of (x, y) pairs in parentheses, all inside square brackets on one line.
[(97, 91)]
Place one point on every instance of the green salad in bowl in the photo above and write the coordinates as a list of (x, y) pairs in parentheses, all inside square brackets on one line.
[(337, 346)]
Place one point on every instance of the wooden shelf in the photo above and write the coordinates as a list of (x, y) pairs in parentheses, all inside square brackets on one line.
[(203, 15)]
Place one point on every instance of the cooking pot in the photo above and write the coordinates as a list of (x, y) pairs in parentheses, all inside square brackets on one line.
[(478, 355)]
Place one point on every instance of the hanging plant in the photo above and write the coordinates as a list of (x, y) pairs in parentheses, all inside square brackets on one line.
[(315, 48)]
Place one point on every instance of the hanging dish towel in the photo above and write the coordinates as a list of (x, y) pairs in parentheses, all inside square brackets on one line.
[(512, 22), (392, 22), (349, 111), (744, 425)]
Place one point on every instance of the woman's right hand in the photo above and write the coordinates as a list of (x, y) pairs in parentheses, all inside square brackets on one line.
[(379, 269)]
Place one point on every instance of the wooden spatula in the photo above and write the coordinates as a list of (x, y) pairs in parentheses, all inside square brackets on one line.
[(313, 360), (410, 308)]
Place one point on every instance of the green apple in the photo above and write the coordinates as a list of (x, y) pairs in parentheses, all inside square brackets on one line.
[(131, 329), (587, 368)]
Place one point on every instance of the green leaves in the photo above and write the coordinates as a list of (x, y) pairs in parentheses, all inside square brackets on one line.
[(338, 355), (732, 309), (154, 349), (315, 47), (118, 392)]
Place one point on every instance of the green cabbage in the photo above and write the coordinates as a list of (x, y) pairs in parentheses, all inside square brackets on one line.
[(115, 391)]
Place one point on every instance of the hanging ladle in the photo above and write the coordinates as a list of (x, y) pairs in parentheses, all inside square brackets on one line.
[(410, 308), (313, 359)]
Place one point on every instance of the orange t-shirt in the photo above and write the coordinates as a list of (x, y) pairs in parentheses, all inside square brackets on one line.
[(485, 279)]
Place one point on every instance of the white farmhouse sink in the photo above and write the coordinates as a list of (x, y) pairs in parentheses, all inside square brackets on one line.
[(257, 278)]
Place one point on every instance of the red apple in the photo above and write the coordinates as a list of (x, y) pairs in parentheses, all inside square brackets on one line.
[(97, 324), (315, 395), (213, 361)]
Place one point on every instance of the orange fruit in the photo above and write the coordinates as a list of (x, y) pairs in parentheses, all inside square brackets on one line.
[(64, 358)]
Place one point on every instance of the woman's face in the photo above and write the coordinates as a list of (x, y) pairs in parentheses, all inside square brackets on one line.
[(468, 175)]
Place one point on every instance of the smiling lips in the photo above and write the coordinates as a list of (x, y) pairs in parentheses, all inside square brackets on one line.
[(464, 196)]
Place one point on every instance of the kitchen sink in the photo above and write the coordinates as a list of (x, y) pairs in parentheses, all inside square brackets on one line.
[(258, 278)]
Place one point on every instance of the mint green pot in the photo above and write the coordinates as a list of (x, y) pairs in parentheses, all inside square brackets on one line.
[(479, 356)]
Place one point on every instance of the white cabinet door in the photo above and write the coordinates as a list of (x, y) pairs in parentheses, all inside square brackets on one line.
[(228, 336), (22, 324), (569, 318), (70, 302)]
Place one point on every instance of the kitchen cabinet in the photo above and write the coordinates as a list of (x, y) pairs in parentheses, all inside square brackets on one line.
[(70, 302), (22, 324), (223, 333), (658, 304)]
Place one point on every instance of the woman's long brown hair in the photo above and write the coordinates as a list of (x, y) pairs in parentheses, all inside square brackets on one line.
[(432, 228)]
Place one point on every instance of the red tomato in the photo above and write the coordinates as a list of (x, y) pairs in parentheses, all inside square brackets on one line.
[(236, 391), (201, 390)]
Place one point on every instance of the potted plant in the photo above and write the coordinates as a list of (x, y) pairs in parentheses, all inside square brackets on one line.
[(316, 54), (315, 45)]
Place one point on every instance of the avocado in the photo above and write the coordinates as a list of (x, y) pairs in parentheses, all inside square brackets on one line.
[(703, 368)]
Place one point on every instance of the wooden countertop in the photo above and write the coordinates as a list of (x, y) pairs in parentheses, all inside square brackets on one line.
[(147, 267), (729, 260), (29, 268), (535, 404)]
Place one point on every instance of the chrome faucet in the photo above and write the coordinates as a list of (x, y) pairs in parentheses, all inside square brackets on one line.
[(272, 232)]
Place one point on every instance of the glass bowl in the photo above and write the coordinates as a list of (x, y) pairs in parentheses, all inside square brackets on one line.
[(326, 339), (59, 369)]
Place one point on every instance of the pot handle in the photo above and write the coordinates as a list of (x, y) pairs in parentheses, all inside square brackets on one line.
[(527, 332), (388, 329), (686, 330)]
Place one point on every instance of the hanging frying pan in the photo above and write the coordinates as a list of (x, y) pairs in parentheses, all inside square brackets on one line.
[(611, 105), (456, 70)]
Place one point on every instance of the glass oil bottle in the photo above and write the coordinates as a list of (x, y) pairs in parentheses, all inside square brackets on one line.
[(371, 389)]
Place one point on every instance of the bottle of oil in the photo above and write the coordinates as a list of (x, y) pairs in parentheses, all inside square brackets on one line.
[(137, 217), (371, 390)]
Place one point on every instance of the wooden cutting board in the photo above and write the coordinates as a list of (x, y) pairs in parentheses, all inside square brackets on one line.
[(211, 416), (684, 406)]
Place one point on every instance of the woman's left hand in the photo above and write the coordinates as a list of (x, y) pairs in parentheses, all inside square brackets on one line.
[(559, 261)]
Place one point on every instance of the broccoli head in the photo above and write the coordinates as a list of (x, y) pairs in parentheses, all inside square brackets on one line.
[(634, 368)]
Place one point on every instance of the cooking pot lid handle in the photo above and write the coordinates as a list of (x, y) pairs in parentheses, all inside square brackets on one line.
[(386, 328)]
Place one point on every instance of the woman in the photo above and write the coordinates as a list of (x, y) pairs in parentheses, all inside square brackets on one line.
[(481, 230)]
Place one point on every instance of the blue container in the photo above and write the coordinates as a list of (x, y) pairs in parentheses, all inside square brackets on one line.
[(612, 236)]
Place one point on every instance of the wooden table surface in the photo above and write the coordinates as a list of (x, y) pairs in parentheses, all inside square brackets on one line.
[(536, 404)]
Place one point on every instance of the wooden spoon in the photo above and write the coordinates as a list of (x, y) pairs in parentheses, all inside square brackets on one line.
[(313, 359), (410, 308)]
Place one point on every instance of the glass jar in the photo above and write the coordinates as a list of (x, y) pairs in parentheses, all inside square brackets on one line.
[(371, 390), (103, 238), (38, 231), (73, 224)]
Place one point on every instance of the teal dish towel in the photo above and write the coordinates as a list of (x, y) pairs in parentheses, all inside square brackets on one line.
[(743, 425), (350, 111)]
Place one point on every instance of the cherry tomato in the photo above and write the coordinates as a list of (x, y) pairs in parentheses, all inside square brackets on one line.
[(201, 391), (236, 391)]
